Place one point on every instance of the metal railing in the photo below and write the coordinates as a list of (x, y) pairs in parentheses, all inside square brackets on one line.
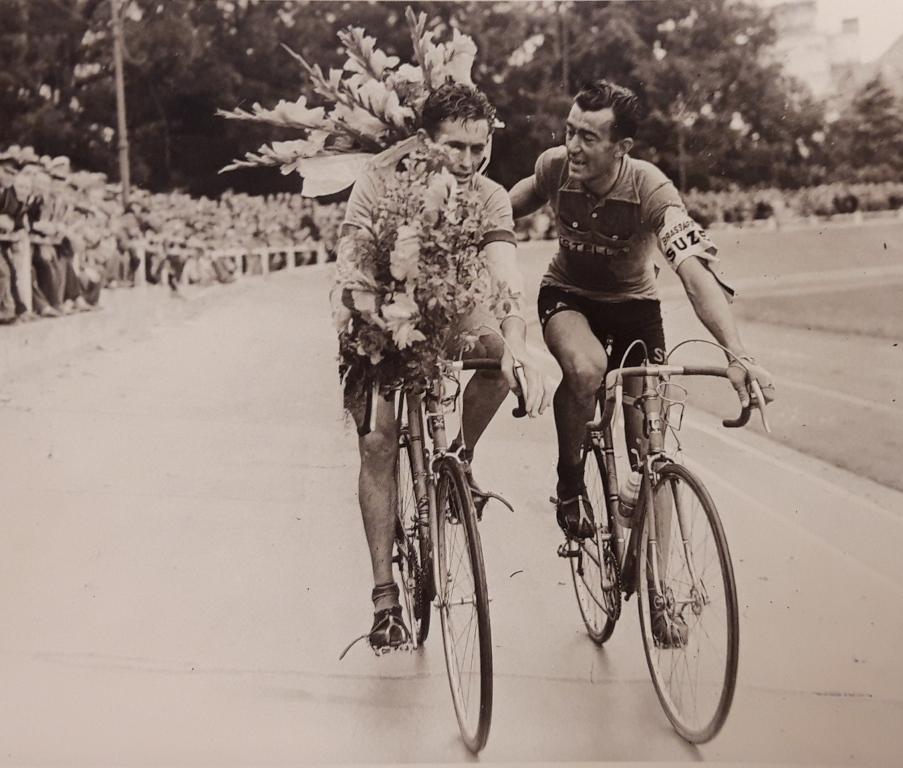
[(245, 261)]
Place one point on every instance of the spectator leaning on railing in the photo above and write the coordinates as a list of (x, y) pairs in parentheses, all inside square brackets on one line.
[(64, 234)]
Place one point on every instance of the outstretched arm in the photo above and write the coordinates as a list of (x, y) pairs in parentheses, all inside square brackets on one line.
[(501, 260), (711, 307), (524, 197)]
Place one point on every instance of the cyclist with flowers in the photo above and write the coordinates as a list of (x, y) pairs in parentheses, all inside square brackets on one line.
[(425, 264), (456, 123), (614, 214)]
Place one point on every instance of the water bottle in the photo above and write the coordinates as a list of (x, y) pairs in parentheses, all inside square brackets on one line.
[(630, 493)]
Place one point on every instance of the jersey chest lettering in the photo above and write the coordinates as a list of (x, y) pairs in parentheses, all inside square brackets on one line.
[(580, 246), (610, 223)]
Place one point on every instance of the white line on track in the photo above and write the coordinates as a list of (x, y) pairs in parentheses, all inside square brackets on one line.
[(819, 277), (834, 488), (804, 531), (833, 393), (803, 282)]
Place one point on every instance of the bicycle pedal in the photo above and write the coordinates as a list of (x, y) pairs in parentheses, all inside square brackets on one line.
[(564, 550), (386, 650)]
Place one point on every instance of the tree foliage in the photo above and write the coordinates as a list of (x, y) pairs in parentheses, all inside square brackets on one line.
[(718, 112), (868, 137)]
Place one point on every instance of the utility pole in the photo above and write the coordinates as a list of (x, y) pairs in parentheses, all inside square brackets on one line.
[(563, 52), (681, 157), (122, 130)]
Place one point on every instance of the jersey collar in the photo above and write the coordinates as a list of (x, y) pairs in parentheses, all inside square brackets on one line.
[(624, 189)]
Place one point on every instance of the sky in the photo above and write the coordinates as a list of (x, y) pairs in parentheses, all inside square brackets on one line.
[(880, 22)]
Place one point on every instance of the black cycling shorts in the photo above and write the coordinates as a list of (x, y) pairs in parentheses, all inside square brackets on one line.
[(617, 322)]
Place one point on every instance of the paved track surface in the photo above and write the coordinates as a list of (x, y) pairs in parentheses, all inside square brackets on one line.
[(182, 560)]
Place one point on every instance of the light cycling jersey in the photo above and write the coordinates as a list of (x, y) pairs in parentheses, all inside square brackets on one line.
[(498, 224)]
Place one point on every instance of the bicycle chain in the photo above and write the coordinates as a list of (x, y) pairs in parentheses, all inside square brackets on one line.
[(613, 603), (418, 581)]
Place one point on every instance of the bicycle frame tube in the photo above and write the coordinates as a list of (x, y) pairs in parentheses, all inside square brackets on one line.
[(621, 538), (436, 419), (418, 454), (626, 544), (425, 410)]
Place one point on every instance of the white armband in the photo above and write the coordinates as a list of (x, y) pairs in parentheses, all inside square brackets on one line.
[(681, 236)]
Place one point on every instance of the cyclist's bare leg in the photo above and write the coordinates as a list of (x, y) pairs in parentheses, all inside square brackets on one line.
[(583, 361), (484, 393), (376, 493)]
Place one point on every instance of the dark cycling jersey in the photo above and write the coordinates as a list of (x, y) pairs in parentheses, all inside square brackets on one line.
[(607, 246)]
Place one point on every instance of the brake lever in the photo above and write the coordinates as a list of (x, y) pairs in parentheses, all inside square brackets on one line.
[(521, 410), (756, 401)]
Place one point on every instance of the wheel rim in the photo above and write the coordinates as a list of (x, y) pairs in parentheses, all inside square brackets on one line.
[(599, 609), (458, 610), (406, 559), (695, 683)]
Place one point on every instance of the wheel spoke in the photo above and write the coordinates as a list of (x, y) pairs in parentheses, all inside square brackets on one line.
[(694, 681), (463, 609), (598, 609)]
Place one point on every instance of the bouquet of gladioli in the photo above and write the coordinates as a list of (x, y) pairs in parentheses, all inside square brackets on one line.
[(403, 287), (373, 103)]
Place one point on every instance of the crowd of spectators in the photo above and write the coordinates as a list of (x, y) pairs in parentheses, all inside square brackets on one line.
[(65, 235), (737, 207)]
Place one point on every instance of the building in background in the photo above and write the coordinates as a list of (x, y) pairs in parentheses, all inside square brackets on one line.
[(825, 61), (889, 66)]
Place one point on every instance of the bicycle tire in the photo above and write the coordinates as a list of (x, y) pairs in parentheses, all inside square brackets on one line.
[(414, 572), (463, 601), (710, 652), (600, 606)]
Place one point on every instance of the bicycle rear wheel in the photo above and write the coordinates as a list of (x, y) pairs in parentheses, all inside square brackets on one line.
[(693, 651), (414, 571), (594, 566), (463, 605)]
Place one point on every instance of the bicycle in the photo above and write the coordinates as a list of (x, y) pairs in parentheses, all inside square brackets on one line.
[(671, 550), (438, 556)]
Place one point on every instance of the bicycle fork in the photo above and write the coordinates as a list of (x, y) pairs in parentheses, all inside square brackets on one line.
[(698, 594)]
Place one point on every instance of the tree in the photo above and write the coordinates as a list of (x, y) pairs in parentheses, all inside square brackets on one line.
[(867, 139), (718, 112), (49, 65)]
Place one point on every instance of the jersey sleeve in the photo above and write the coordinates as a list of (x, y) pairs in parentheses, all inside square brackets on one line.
[(361, 203), (544, 173), (499, 218)]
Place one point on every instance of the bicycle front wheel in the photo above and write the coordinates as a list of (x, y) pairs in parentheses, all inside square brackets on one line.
[(594, 566), (463, 601), (414, 570), (688, 605)]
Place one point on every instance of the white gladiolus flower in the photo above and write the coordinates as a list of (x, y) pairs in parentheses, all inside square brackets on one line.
[(400, 316), (359, 119), (408, 73), (383, 101), (404, 261), (460, 54)]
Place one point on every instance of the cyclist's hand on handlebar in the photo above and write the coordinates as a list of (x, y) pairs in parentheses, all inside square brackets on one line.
[(742, 372), (529, 381)]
